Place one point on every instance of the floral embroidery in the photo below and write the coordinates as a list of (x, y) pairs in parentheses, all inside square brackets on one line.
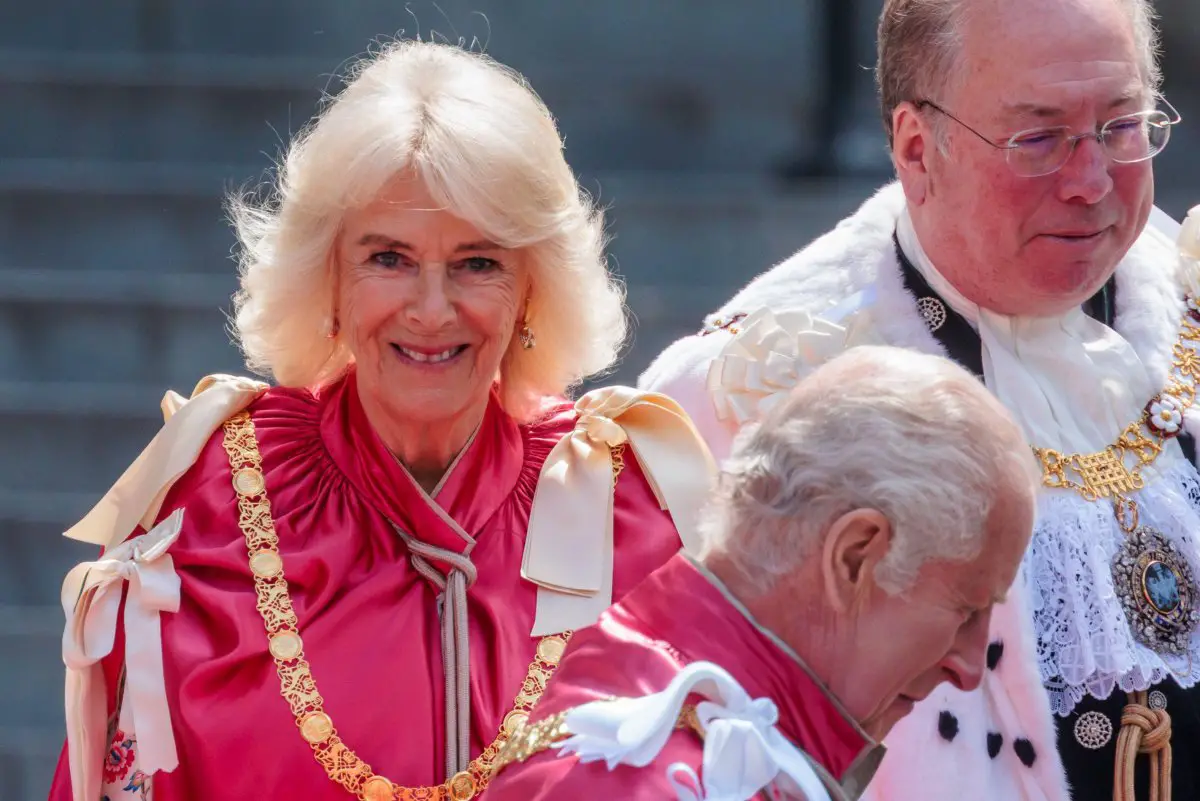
[(120, 758), (139, 783), (123, 781)]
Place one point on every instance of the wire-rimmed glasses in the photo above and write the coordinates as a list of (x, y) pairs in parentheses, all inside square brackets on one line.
[(1127, 139)]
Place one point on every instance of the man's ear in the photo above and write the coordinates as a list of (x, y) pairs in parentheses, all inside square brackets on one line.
[(912, 146), (853, 546)]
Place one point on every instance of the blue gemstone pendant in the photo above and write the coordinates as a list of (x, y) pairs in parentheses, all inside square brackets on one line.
[(1158, 591)]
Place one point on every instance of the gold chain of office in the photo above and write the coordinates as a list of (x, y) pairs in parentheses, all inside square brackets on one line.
[(1104, 474), (297, 685)]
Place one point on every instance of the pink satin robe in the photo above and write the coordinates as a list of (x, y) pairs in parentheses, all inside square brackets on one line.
[(681, 615), (369, 619)]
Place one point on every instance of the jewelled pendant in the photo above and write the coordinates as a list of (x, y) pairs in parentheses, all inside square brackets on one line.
[(1158, 590)]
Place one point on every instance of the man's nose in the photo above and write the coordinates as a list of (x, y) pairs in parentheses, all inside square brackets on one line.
[(1086, 176), (964, 665)]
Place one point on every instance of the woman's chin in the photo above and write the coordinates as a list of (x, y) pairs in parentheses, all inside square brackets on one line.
[(417, 400)]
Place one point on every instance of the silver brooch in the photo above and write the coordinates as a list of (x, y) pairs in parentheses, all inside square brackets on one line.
[(1093, 730), (933, 312), (1158, 700), (1158, 591)]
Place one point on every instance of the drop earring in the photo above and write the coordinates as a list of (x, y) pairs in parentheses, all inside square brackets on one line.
[(526, 335)]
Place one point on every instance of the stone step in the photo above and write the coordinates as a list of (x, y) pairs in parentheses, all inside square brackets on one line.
[(31, 693), (761, 33), (154, 231), (108, 338), (652, 111), (28, 758), (31, 673), (74, 438), (37, 556), (165, 288), (184, 124)]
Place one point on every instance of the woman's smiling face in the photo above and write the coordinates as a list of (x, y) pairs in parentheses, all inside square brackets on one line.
[(428, 306)]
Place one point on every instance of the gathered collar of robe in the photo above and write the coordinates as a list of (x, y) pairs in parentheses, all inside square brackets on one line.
[(479, 481)]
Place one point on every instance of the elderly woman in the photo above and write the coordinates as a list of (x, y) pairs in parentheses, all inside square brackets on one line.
[(357, 582)]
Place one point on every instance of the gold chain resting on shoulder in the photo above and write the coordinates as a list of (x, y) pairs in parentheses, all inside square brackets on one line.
[(297, 685), (531, 739)]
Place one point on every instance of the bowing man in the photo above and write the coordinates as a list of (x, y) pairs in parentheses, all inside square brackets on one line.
[(853, 551)]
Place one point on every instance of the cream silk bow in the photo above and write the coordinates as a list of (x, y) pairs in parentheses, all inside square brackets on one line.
[(91, 593), (91, 598), (743, 750), (768, 357), (138, 494), (569, 545)]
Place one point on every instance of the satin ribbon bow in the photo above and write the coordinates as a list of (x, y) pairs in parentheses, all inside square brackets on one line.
[(138, 494), (743, 750), (569, 544), (91, 598), (771, 354)]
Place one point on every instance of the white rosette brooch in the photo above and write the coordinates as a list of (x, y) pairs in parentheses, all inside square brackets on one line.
[(1189, 258), (771, 353)]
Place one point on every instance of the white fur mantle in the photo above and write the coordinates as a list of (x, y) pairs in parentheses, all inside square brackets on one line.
[(1012, 704)]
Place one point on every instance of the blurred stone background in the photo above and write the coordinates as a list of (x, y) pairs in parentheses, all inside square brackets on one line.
[(698, 122)]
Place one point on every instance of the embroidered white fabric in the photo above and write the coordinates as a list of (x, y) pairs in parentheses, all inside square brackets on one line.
[(1084, 642)]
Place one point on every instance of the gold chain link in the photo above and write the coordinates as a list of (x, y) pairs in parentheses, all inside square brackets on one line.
[(1105, 474), (297, 685), (531, 739), (618, 460)]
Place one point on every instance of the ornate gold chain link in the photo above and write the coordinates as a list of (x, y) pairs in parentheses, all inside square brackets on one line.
[(297, 685), (1104, 475), (618, 460), (533, 738)]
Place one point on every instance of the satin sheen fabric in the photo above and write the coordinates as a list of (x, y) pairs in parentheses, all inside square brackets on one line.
[(676, 617), (368, 618)]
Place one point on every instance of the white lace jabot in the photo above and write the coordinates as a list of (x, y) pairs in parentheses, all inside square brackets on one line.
[(1072, 382)]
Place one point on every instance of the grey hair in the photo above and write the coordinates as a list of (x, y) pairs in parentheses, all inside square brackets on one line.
[(912, 436), (920, 43), (486, 148)]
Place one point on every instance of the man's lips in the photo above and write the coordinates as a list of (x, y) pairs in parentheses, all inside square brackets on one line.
[(1078, 234)]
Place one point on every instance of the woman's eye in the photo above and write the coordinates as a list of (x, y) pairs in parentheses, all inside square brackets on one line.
[(479, 264), (388, 258)]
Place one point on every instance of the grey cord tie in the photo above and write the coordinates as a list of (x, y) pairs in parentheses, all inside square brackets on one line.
[(456, 646)]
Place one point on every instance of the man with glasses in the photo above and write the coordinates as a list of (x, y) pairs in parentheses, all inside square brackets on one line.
[(1021, 239)]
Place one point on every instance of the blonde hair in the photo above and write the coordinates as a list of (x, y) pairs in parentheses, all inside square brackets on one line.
[(486, 147)]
